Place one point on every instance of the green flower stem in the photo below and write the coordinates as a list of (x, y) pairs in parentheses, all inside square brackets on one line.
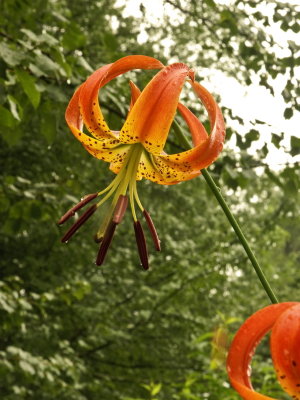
[(233, 222)]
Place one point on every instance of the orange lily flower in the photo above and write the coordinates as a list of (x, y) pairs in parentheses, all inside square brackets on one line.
[(136, 151), (283, 320)]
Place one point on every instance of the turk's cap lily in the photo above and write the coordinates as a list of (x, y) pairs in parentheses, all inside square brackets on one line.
[(283, 320), (148, 122), (136, 151)]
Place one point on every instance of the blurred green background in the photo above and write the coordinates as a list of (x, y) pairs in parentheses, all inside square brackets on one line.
[(72, 330)]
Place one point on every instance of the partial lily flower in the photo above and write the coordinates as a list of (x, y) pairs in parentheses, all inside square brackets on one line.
[(137, 150), (283, 320)]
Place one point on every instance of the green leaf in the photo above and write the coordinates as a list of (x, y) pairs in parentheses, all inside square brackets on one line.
[(82, 62), (288, 113), (210, 3), (31, 35), (35, 70), (155, 389), (46, 64), (291, 181), (28, 84), (74, 38), (252, 135), (110, 41), (12, 135), (6, 118), (43, 38), (295, 146), (26, 367), (10, 56), (276, 139), (59, 58), (48, 125), (15, 107)]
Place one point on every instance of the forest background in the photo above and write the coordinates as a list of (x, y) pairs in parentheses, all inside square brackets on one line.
[(72, 330)]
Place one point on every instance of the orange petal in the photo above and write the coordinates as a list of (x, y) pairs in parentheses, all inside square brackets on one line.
[(147, 170), (74, 121), (163, 175), (173, 172), (90, 109), (112, 155), (150, 119), (135, 92), (243, 347), (285, 340), (207, 151), (197, 130)]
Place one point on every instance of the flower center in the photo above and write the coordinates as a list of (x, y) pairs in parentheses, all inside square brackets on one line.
[(123, 183)]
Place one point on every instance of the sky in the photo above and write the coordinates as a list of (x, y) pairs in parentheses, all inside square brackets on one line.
[(251, 102)]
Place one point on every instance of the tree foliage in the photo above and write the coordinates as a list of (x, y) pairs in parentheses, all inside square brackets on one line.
[(71, 330)]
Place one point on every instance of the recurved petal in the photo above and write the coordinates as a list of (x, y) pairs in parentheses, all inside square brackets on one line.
[(243, 347), (75, 123), (206, 152), (135, 92), (89, 105), (285, 339), (196, 128), (90, 109), (150, 119)]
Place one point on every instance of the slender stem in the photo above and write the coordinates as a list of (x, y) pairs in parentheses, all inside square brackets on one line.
[(261, 276), (233, 222)]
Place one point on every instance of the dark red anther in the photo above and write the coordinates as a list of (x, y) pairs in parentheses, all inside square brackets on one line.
[(141, 244), (81, 220), (120, 209), (105, 243), (152, 230), (78, 206)]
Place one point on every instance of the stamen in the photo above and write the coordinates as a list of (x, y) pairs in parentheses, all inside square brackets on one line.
[(152, 230), (81, 220), (120, 209), (141, 244), (107, 239), (118, 214), (78, 206), (136, 196), (108, 213)]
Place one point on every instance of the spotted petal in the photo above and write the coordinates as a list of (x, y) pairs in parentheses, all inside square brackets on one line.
[(84, 107), (90, 109), (151, 116), (162, 172), (207, 151), (103, 147), (244, 344)]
